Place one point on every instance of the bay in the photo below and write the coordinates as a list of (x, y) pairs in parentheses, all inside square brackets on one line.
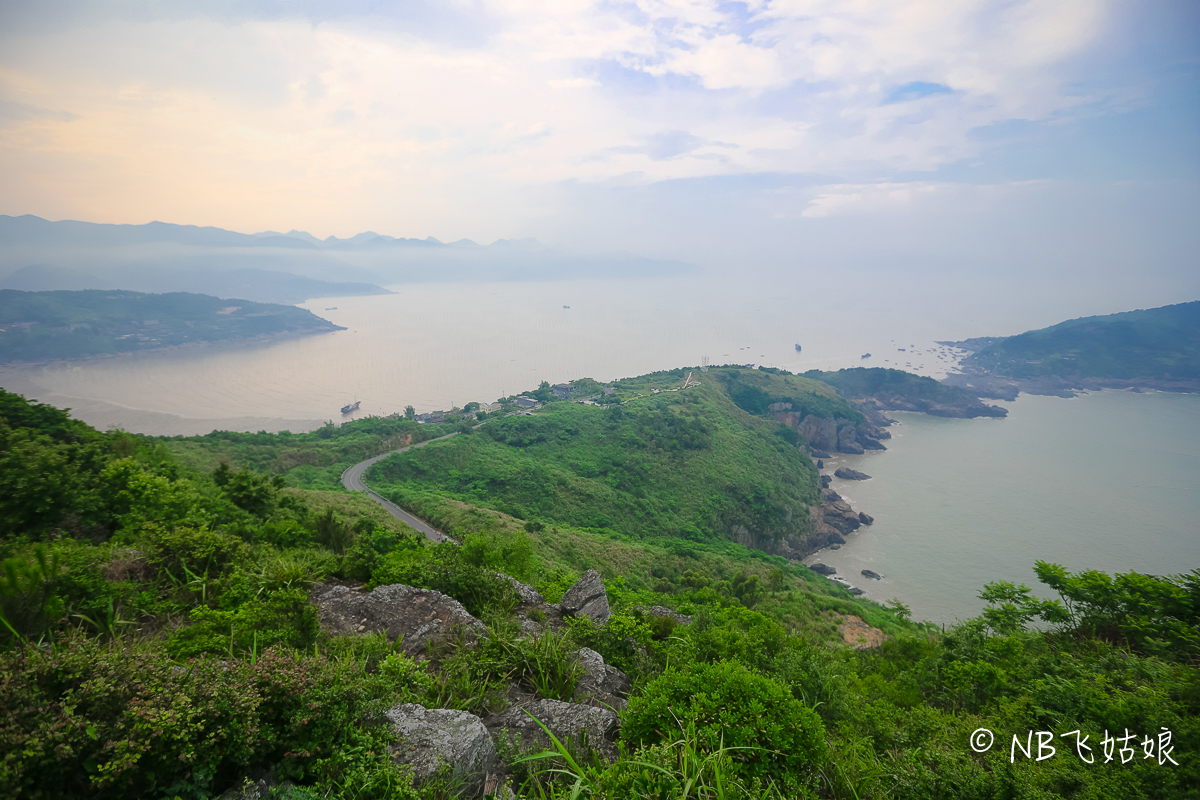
[(1108, 480)]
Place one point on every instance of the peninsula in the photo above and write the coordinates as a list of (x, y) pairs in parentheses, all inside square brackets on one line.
[(1157, 348), (44, 326)]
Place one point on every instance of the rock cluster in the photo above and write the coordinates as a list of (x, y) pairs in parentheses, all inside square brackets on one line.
[(431, 740)]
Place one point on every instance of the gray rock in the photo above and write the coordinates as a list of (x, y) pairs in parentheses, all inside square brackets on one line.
[(419, 615), (820, 464), (865, 518), (868, 573), (587, 598), (847, 440), (847, 474), (826, 480), (854, 590), (823, 569), (528, 626), (821, 433), (527, 593), (430, 737), (600, 684), (516, 728)]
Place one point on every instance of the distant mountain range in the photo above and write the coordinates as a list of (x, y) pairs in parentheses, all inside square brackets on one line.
[(40, 255)]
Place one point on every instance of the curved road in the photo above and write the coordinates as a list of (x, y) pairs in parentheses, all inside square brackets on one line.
[(352, 480)]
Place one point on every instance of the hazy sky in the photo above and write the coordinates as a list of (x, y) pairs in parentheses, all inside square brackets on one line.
[(1058, 133)]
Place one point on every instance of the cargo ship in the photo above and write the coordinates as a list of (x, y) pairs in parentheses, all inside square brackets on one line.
[(349, 407)]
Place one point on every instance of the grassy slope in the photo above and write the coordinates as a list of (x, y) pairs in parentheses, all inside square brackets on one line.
[(1159, 343), (687, 464), (94, 322), (865, 382)]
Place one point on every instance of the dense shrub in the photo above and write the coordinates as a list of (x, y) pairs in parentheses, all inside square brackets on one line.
[(730, 705), (443, 569), (123, 721)]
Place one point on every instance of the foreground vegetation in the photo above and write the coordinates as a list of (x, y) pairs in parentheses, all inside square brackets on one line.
[(158, 639)]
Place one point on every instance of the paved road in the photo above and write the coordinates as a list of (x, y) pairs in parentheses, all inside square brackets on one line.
[(352, 480)]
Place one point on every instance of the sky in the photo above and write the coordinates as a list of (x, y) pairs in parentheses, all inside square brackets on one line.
[(956, 137)]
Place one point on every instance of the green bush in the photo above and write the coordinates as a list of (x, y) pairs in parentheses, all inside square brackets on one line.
[(282, 618), (730, 706), (124, 721)]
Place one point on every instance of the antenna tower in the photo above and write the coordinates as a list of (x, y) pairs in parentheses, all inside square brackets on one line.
[(704, 364)]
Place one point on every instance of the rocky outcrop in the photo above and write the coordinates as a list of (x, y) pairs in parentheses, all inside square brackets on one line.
[(822, 569), (596, 727), (430, 737), (600, 684), (417, 615), (865, 518), (587, 598), (868, 573), (859, 634), (847, 474)]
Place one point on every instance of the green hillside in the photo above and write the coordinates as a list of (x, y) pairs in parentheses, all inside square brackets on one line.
[(682, 463), (1158, 343), (37, 326)]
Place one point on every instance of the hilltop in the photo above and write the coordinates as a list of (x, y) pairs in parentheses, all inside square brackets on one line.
[(724, 458), (38, 326)]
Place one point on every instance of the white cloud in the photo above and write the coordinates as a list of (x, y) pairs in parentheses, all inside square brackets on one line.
[(344, 119)]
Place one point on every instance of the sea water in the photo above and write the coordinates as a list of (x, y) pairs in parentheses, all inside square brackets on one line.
[(1108, 480)]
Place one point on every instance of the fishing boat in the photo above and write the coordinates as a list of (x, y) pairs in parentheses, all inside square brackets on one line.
[(865, 355), (351, 407), (797, 348)]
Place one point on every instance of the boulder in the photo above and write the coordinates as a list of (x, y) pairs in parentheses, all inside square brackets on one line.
[(600, 684), (865, 518), (418, 615), (847, 474), (822, 569), (528, 594), (820, 454), (867, 573), (854, 590), (820, 464), (587, 598), (517, 729), (834, 539), (826, 480), (430, 737)]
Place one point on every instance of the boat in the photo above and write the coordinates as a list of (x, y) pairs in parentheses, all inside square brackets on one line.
[(332, 308), (350, 407), (865, 355), (797, 348)]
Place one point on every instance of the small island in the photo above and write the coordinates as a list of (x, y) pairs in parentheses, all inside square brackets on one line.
[(46, 326)]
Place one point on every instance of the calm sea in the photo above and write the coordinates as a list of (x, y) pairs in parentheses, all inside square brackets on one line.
[(1106, 481)]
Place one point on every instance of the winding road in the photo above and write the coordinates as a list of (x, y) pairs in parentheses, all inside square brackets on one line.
[(352, 479)]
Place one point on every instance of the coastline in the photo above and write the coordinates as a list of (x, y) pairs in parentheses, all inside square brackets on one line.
[(187, 347)]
